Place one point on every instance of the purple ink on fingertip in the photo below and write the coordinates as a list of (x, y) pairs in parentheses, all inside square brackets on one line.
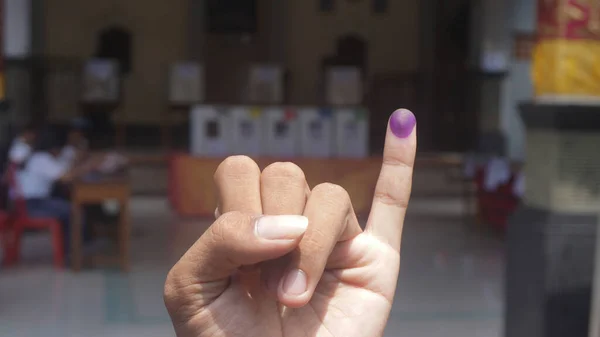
[(402, 123)]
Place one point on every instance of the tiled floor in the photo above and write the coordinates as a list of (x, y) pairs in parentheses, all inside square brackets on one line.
[(450, 283)]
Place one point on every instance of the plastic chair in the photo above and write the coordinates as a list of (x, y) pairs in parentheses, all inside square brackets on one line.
[(6, 239), (22, 222)]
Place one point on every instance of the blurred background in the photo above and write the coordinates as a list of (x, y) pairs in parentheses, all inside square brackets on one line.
[(150, 96)]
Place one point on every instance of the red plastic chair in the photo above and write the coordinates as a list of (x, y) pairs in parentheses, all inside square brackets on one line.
[(495, 207), (6, 238), (23, 222)]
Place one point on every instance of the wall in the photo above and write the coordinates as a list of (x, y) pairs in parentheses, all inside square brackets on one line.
[(228, 57), (160, 36), (159, 31), (311, 34)]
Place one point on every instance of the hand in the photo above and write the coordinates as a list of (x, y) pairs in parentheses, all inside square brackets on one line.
[(305, 268)]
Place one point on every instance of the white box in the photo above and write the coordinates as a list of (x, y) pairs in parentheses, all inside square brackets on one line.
[(265, 84), (281, 132), (247, 130), (101, 81), (210, 131), (343, 86), (316, 132), (352, 133), (186, 83)]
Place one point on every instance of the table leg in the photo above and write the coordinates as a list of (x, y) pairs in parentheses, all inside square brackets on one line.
[(166, 136), (120, 136), (76, 236), (466, 200), (124, 235)]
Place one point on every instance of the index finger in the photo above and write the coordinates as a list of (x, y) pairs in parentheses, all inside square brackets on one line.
[(392, 191)]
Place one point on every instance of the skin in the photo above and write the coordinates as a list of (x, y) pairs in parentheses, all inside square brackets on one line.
[(29, 137), (79, 169), (232, 282)]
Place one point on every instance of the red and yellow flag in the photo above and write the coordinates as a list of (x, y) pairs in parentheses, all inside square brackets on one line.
[(566, 59)]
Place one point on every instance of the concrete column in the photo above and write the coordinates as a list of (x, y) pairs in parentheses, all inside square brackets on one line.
[(490, 56), (551, 240)]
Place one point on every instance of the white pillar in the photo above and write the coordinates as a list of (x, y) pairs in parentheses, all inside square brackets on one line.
[(489, 55), (17, 29), (518, 86)]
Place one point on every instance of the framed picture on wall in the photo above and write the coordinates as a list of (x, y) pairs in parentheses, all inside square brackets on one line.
[(101, 83), (265, 84), (343, 85), (186, 83)]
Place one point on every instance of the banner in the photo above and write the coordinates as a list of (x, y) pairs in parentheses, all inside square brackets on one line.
[(566, 59)]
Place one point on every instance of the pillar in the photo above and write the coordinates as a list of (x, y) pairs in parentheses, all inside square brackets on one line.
[(17, 59), (551, 240), (518, 85), (489, 56)]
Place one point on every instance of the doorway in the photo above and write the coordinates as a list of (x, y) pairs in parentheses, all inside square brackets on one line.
[(455, 127)]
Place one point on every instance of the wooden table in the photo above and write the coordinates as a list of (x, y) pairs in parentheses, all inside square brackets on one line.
[(192, 191), (93, 192)]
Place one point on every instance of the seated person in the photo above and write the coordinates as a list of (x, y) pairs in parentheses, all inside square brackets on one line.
[(76, 147), (21, 147), (17, 155), (43, 169)]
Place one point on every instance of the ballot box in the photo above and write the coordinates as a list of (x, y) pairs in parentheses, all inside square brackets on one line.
[(281, 134), (247, 130), (210, 131), (316, 132), (351, 132)]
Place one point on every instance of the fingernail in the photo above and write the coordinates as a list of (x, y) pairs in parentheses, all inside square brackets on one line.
[(295, 283), (281, 227), (402, 123)]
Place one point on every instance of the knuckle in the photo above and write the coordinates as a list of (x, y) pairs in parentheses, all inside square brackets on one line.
[(394, 190), (236, 165), (286, 170), (333, 191), (395, 161), (228, 228), (169, 291), (173, 291), (178, 298), (392, 198)]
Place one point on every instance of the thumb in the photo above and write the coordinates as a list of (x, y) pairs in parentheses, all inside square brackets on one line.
[(234, 240)]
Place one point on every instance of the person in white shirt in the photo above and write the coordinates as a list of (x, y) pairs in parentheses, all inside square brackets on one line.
[(43, 169), (76, 146), (22, 145)]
